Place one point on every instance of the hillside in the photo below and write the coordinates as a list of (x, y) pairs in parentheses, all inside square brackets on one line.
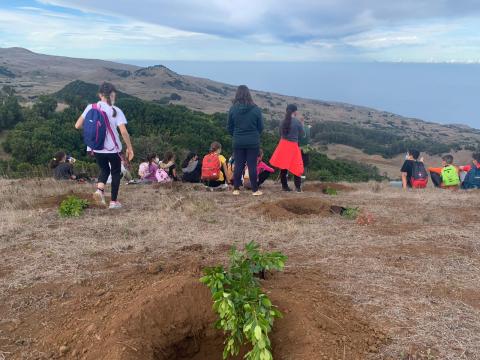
[(32, 74)]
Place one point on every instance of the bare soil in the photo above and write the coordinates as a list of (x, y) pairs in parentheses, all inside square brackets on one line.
[(124, 284)]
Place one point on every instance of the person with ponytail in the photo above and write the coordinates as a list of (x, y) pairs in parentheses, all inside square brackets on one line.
[(245, 124), (287, 156), (108, 158), (62, 167)]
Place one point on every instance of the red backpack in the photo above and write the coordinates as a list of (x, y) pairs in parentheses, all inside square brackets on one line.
[(211, 167), (419, 179)]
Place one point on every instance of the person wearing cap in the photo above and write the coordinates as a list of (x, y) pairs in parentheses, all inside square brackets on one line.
[(287, 156)]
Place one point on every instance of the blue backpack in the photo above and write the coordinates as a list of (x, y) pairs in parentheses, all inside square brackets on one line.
[(95, 128), (472, 180)]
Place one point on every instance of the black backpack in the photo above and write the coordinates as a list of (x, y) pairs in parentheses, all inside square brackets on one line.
[(472, 180), (419, 177)]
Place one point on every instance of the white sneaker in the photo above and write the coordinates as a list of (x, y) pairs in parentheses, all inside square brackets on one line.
[(236, 192), (115, 205), (257, 193), (99, 197)]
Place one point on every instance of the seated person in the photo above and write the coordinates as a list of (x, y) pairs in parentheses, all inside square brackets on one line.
[(191, 168), (263, 171), (446, 177), (214, 167), (142, 169), (149, 174), (414, 174), (168, 165), (230, 170), (62, 166), (472, 179)]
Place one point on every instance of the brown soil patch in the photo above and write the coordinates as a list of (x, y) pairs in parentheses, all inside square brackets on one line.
[(171, 317), (321, 187), (52, 202), (286, 208)]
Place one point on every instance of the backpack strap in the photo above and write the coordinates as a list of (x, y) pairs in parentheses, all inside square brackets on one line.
[(107, 123)]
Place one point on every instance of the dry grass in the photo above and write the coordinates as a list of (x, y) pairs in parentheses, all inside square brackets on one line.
[(416, 271)]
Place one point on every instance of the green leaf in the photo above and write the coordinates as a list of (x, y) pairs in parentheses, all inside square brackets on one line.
[(258, 332)]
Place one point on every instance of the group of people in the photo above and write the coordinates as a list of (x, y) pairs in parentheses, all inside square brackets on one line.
[(448, 176), (103, 122)]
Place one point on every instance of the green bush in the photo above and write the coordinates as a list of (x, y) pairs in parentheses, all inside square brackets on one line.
[(72, 206), (246, 314), (351, 213)]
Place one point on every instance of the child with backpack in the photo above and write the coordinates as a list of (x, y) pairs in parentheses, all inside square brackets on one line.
[(62, 167), (472, 179), (191, 168), (100, 122), (414, 174), (168, 165), (214, 167), (446, 177)]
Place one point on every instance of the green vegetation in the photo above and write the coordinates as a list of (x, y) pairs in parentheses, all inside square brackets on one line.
[(330, 191), (37, 133), (72, 206), (384, 142), (246, 314), (10, 110), (351, 213)]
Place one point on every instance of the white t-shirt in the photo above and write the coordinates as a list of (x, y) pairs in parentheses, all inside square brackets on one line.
[(120, 119)]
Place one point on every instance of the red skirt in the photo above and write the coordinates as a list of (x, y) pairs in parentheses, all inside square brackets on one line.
[(287, 156)]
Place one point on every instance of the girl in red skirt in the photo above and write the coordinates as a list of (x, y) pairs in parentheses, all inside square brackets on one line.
[(287, 156)]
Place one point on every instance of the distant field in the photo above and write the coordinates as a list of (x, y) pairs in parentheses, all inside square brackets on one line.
[(124, 285)]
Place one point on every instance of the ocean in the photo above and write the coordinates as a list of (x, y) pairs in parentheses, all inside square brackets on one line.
[(443, 93)]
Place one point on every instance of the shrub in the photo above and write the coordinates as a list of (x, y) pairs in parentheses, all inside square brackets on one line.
[(330, 191), (351, 213), (72, 206), (246, 314)]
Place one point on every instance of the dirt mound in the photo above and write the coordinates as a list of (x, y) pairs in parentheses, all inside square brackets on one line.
[(173, 320), (287, 208), (52, 202), (322, 187)]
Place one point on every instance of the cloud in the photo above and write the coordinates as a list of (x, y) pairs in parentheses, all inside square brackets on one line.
[(285, 20), (291, 30)]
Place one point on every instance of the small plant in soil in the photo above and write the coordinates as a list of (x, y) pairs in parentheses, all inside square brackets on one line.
[(330, 191), (246, 314), (72, 206), (351, 213)]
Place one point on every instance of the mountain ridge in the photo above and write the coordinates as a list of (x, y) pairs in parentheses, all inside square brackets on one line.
[(32, 74)]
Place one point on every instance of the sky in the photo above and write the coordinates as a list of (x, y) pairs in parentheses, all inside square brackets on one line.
[(249, 30)]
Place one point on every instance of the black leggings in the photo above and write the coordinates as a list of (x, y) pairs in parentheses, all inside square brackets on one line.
[(284, 179), (248, 156), (110, 163), (264, 175), (436, 179)]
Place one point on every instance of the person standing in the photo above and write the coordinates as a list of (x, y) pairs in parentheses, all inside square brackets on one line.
[(108, 155), (287, 156), (245, 124)]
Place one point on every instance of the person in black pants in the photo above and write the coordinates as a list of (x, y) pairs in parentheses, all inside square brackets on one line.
[(108, 158), (245, 124)]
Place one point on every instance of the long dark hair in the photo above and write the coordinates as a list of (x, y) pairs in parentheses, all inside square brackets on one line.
[(168, 157), (57, 159), (189, 157), (243, 96), (151, 158), (106, 89), (287, 121)]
